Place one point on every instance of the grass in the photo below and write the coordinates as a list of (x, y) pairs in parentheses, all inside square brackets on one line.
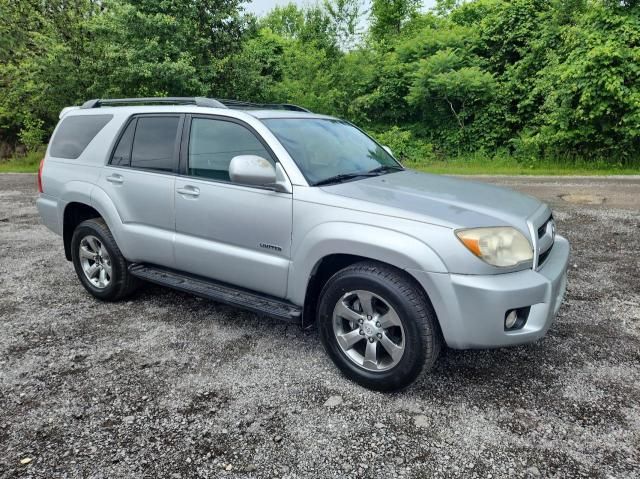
[(501, 165), (22, 164), (468, 165)]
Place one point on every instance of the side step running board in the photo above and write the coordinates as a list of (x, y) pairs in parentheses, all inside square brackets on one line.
[(219, 292)]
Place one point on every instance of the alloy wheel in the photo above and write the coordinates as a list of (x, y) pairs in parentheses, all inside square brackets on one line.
[(368, 330), (95, 261)]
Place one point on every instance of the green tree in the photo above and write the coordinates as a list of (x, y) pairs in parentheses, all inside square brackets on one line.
[(388, 16), (448, 78), (592, 88), (254, 72), (42, 43), (312, 25), (555, 78), (346, 16), (286, 21), (147, 48)]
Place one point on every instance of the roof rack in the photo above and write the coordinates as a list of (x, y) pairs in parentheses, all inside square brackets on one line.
[(173, 100), (197, 100), (247, 105)]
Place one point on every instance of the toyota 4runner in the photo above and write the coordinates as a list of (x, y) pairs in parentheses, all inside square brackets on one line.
[(302, 217)]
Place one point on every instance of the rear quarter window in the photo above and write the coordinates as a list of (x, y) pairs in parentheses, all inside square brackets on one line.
[(75, 133)]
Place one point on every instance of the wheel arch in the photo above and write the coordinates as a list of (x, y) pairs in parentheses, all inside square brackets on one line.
[(75, 213), (339, 241), (329, 265), (96, 205)]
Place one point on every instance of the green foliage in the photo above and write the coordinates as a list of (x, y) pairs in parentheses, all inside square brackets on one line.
[(32, 133), (446, 80), (34, 60), (405, 146), (592, 93), (389, 16), (534, 80), (345, 16), (287, 21), (150, 48), (312, 26)]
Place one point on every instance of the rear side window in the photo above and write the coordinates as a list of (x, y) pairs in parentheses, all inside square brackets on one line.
[(154, 143), (75, 133)]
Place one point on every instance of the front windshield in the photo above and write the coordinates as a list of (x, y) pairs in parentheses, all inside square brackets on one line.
[(325, 149)]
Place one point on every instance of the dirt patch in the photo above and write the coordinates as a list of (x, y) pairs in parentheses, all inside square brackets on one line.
[(583, 199)]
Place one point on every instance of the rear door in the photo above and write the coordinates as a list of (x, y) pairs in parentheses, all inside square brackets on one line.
[(140, 180), (230, 232)]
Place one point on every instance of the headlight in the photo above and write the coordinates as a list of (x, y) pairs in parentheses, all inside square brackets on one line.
[(501, 246)]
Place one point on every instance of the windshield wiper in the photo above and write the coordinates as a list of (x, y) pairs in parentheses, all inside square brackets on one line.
[(350, 176), (343, 177), (385, 169)]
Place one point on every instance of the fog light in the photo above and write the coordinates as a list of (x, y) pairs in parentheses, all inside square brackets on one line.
[(510, 319), (516, 318)]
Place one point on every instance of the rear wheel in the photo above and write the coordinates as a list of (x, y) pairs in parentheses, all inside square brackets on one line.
[(98, 262), (378, 326)]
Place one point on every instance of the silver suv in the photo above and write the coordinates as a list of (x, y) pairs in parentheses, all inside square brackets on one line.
[(302, 217)]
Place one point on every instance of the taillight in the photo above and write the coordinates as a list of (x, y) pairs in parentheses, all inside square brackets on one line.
[(40, 190)]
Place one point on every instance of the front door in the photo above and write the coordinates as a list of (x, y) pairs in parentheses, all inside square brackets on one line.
[(233, 233)]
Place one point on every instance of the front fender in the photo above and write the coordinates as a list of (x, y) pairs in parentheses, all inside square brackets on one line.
[(381, 244)]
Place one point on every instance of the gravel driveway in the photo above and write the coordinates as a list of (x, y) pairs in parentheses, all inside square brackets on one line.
[(168, 385)]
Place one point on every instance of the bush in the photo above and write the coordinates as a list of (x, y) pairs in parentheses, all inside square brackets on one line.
[(405, 146), (32, 133)]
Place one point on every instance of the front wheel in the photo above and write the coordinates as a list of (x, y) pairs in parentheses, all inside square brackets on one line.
[(378, 326)]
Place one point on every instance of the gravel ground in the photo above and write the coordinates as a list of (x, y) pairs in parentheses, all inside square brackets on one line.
[(168, 385)]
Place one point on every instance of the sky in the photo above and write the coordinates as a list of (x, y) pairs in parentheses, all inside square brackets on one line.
[(260, 7)]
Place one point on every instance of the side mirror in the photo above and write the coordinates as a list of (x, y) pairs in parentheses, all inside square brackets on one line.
[(387, 149), (252, 170)]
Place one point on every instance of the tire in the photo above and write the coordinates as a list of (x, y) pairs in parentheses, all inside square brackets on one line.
[(93, 236), (413, 328)]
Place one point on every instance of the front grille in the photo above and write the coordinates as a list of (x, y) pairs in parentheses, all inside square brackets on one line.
[(545, 241), (543, 256), (543, 228), (543, 232)]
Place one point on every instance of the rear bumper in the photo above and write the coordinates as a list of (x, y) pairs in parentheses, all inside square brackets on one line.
[(471, 308), (48, 208)]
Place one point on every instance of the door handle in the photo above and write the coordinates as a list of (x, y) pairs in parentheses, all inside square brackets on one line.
[(115, 179), (189, 191)]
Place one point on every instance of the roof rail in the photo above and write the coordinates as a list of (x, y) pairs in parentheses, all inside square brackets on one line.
[(197, 100), (175, 100), (247, 105)]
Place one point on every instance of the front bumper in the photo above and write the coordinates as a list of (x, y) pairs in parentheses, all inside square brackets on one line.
[(471, 308)]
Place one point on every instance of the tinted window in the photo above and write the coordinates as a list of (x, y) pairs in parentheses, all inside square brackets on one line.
[(75, 133), (214, 143), (154, 143), (122, 153)]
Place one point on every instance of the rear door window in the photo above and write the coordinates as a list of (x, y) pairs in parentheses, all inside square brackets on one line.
[(154, 143), (75, 133), (122, 153)]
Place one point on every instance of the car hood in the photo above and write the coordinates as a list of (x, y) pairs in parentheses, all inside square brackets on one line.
[(441, 200)]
